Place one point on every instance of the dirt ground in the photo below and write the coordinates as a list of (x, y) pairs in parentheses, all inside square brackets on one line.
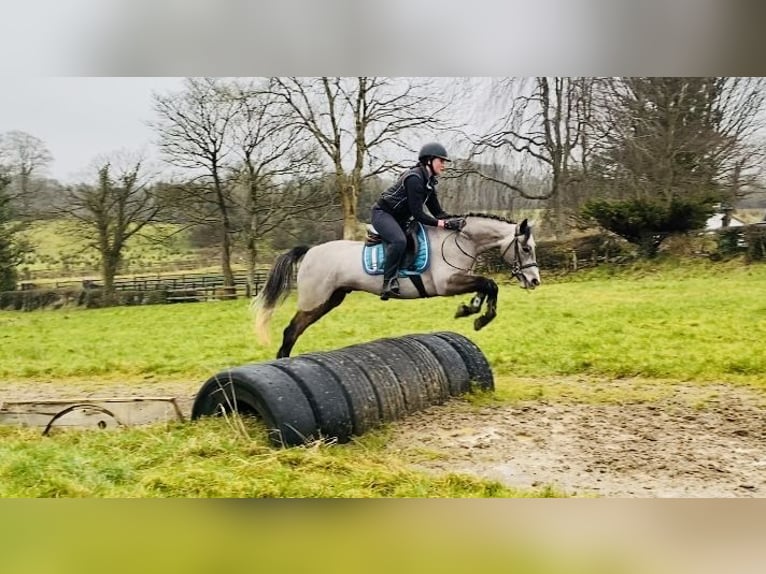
[(705, 441), (695, 441)]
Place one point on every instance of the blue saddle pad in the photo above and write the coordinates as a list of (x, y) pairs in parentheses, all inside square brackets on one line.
[(373, 256)]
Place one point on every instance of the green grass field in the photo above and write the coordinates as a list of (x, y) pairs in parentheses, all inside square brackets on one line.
[(705, 326), (697, 323), (58, 245)]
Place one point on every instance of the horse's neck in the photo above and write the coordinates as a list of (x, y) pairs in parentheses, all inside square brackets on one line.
[(489, 233)]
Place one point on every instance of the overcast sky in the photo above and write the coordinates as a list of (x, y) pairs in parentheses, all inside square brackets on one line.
[(81, 118), (82, 113)]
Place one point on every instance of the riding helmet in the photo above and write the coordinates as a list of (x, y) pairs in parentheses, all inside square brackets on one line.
[(433, 149)]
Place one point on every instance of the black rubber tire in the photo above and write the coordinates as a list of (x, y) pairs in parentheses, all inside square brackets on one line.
[(407, 373), (358, 390), (458, 379), (324, 393), (263, 391), (434, 378), (384, 383), (478, 367)]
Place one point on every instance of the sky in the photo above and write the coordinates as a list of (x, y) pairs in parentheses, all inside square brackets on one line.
[(80, 74), (82, 118)]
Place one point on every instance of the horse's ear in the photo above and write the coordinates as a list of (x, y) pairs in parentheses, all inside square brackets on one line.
[(524, 228)]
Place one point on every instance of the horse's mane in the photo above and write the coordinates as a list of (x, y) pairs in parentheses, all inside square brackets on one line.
[(488, 216)]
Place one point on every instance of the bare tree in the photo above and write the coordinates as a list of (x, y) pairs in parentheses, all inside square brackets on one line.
[(111, 211), (540, 130), (665, 137), (357, 123), (542, 127), (672, 148), (470, 186), (741, 157), (194, 128), (274, 155), (25, 157)]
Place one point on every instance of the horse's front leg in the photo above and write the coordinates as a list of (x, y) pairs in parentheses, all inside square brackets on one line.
[(485, 289), (489, 288), (474, 306)]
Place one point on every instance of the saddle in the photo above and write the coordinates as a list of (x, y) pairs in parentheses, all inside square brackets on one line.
[(416, 255)]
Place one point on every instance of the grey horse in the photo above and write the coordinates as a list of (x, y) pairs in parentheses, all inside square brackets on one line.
[(329, 271)]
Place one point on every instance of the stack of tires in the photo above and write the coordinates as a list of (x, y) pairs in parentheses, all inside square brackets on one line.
[(346, 392)]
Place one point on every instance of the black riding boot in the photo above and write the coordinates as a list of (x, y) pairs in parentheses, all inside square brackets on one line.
[(390, 275)]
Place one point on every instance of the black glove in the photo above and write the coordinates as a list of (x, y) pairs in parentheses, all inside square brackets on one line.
[(454, 224)]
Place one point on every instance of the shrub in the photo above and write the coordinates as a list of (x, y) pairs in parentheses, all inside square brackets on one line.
[(33, 299), (730, 241), (755, 238), (647, 223)]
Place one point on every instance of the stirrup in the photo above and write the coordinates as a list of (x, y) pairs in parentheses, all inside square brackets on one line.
[(391, 289)]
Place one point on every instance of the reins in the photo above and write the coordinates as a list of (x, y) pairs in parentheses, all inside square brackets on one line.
[(516, 266), (460, 248)]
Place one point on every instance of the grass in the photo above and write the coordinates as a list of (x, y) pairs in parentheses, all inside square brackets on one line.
[(701, 327), (59, 245), (207, 459)]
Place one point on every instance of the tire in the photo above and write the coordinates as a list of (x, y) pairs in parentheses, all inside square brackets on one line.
[(357, 389), (479, 370), (458, 379), (406, 372), (266, 392), (384, 383), (324, 393), (434, 378)]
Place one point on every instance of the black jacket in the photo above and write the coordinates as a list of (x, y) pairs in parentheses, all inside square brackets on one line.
[(406, 198)]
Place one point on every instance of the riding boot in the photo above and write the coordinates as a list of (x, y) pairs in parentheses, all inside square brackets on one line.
[(390, 274)]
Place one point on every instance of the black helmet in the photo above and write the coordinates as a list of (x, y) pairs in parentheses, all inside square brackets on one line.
[(433, 149)]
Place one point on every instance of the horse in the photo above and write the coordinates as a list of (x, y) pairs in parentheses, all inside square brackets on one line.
[(329, 271)]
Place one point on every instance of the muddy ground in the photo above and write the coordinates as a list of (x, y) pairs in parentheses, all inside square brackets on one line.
[(692, 441), (697, 441)]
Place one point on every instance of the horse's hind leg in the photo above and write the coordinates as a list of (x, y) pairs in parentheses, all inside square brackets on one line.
[(474, 306), (303, 319)]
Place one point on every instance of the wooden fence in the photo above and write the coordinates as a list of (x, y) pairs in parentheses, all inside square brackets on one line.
[(178, 287)]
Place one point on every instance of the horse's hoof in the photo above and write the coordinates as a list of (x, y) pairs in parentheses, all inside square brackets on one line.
[(462, 311), (479, 323)]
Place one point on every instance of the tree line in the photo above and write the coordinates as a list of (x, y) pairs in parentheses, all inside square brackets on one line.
[(256, 161)]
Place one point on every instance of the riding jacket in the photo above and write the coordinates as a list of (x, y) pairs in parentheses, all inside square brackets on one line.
[(409, 194)]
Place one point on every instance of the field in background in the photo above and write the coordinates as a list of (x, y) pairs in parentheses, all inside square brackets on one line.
[(61, 252), (700, 322)]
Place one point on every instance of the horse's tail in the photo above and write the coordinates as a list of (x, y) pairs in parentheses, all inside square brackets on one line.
[(278, 285)]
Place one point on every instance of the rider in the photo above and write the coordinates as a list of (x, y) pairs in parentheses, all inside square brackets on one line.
[(404, 201)]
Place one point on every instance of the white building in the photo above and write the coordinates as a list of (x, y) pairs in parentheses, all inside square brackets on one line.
[(716, 221)]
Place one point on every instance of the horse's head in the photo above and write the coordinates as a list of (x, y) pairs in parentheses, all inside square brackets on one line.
[(519, 253)]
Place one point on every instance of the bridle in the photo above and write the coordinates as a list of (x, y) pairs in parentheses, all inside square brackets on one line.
[(516, 266)]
